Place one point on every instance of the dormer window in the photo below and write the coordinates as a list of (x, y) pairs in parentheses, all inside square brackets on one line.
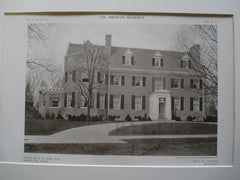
[(157, 60), (128, 58), (185, 62)]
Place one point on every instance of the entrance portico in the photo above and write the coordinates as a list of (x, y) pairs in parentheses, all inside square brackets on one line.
[(160, 105)]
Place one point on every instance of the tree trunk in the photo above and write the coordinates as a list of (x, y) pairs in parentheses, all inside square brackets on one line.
[(88, 114)]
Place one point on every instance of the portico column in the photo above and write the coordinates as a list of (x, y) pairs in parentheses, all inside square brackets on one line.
[(168, 108)]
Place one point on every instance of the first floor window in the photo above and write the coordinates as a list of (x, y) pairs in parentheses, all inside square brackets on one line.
[(69, 99), (55, 102), (100, 101), (101, 77), (196, 104), (138, 102), (116, 102), (177, 103), (44, 101)]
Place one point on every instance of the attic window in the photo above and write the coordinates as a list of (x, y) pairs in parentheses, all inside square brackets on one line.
[(157, 61), (185, 62), (128, 59)]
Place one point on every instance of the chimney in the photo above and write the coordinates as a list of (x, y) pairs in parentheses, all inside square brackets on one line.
[(194, 52), (108, 44)]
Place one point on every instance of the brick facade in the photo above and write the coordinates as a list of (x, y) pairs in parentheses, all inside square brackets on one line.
[(134, 82)]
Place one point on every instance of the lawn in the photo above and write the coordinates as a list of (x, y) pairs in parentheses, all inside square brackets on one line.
[(165, 129), (52, 126), (144, 147)]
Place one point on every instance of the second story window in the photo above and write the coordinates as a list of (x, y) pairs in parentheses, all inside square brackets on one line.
[(196, 84), (117, 80), (138, 81), (159, 83), (175, 83), (100, 77), (70, 76)]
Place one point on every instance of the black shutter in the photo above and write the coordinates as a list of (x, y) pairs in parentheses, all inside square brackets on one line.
[(133, 80), (191, 104), (153, 83), (123, 59), (164, 83), (65, 99), (106, 78), (200, 84), (181, 63), (106, 101), (191, 83), (122, 101), (172, 103), (98, 100), (133, 102), (111, 79), (111, 101), (144, 81), (182, 104), (123, 80), (74, 76), (98, 77), (132, 60), (66, 76), (161, 62), (182, 83), (172, 83), (73, 99), (189, 64), (153, 61), (200, 104), (143, 102)]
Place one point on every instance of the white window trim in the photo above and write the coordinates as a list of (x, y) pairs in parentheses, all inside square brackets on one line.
[(128, 60), (178, 104), (161, 84), (117, 108), (102, 102), (68, 101), (187, 66), (198, 104), (120, 80), (157, 59), (139, 103), (179, 83)]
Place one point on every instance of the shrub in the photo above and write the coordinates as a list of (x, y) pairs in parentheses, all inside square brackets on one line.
[(177, 118), (96, 118), (47, 115), (52, 116), (111, 118), (149, 119), (59, 116), (210, 119), (189, 118), (128, 118)]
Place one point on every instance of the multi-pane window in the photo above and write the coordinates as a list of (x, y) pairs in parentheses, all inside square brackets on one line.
[(82, 102), (100, 101), (116, 102), (117, 80), (138, 81), (175, 83), (101, 77), (196, 104), (54, 102), (70, 76), (159, 83), (185, 63), (157, 61), (128, 59), (177, 103), (196, 84), (138, 102), (69, 99)]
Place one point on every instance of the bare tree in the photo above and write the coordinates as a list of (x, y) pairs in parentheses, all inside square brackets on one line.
[(91, 59), (206, 67), (39, 64)]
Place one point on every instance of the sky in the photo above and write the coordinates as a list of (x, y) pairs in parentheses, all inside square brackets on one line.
[(147, 36)]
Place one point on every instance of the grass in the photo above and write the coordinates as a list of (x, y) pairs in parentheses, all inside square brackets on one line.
[(165, 129), (52, 126), (153, 147)]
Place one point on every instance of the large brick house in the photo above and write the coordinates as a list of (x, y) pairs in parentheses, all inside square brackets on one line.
[(135, 82)]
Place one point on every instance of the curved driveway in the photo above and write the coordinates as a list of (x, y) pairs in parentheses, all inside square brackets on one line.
[(99, 134)]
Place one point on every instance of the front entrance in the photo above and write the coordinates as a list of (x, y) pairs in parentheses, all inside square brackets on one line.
[(161, 114), (160, 105)]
